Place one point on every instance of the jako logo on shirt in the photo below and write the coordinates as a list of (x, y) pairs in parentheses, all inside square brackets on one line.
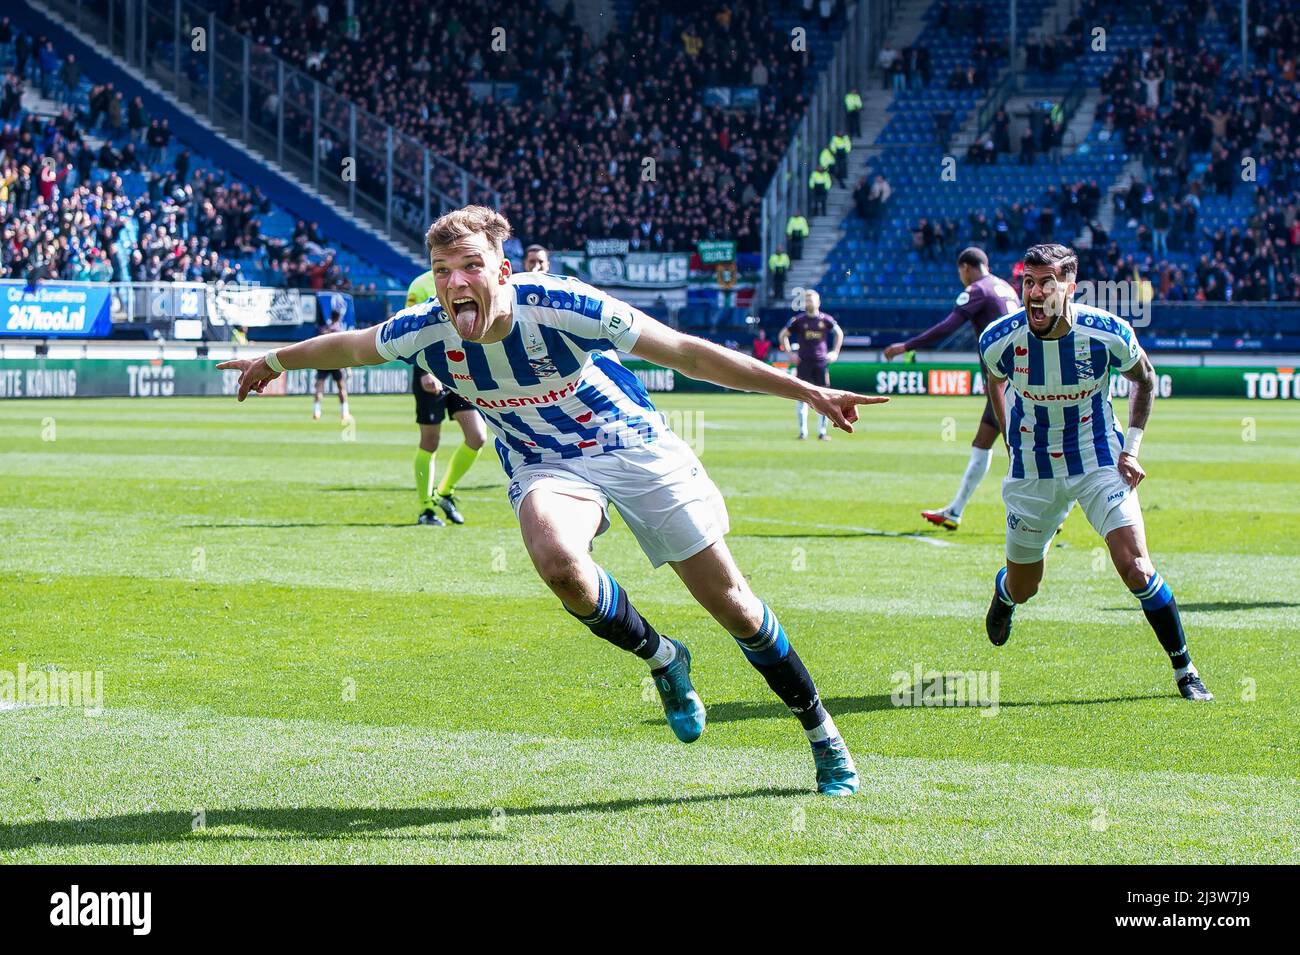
[(134, 909)]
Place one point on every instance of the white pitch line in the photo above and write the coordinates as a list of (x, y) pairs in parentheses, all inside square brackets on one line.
[(849, 527)]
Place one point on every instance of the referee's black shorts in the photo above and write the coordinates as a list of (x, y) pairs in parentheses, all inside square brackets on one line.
[(431, 408), (814, 374)]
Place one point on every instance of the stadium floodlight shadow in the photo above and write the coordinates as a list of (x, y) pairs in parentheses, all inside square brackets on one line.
[(344, 823), (1216, 606)]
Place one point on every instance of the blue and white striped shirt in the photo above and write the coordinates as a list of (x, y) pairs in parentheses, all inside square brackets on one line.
[(553, 388), (1060, 422)]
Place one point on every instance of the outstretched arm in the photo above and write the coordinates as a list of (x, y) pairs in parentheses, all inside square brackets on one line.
[(934, 333), (336, 350), (706, 361)]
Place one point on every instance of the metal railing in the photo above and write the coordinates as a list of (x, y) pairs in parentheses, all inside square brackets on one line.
[(392, 180), (996, 99), (850, 66)]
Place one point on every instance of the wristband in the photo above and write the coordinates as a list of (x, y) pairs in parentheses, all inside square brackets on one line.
[(273, 362), (1132, 441)]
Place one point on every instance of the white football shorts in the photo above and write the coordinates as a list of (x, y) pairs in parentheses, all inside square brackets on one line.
[(660, 489), (1036, 507)]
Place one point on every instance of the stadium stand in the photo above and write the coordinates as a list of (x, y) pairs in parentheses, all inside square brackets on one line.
[(99, 191), (1176, 114), (591, 115), (1143, 179)]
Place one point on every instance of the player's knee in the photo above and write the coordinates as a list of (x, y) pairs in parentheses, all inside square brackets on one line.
[(737, 610), (1135, 571), (563, 572), (474, 441)]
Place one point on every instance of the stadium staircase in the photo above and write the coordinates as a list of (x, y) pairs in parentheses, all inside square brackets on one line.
[(38, 105), (826, 231)]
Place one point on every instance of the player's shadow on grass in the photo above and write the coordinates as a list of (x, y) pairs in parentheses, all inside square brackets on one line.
[(842, 705), (800, 535), (1218, 605), (750, 710), (389, 489), (320, 822), (287, 524), (1136, 698)]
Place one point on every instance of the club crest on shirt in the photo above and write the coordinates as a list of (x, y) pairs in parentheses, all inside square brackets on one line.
[(544, 367), (1082, 357)]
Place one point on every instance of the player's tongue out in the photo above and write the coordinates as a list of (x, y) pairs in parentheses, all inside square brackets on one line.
[(466, 316)]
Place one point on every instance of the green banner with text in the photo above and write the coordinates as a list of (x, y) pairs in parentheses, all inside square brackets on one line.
[(125, 378)]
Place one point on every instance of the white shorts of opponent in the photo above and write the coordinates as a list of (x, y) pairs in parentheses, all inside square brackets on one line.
[(661, 490), (1036, 507)]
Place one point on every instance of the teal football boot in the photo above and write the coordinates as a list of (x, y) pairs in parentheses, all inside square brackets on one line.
[(836, 774), (682, 704)]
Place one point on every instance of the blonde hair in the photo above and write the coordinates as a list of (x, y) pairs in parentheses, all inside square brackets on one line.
[(462, 223)]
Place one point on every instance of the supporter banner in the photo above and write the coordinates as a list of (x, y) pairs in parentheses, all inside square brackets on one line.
[(714, 251), (56, 310), (501, 92), (255, 305), (633, 270), (330, 303), (731, 97), (597, 247), (124, 378)]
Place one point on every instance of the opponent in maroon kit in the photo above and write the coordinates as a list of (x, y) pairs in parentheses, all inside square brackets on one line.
[(812, 329), (984, 299)]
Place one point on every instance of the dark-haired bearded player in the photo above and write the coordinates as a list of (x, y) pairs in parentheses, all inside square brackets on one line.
[(1057, 357)]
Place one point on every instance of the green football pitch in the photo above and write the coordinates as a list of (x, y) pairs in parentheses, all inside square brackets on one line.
[(293, 671)]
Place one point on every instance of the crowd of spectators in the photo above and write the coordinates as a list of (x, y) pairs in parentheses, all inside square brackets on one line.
[(1202, 126), (1179, 101), (908, 68), (613, 139), (67, 213)]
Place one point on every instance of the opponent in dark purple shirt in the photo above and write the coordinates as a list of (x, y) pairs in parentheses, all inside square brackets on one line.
[(984, 299), (812, 329)]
